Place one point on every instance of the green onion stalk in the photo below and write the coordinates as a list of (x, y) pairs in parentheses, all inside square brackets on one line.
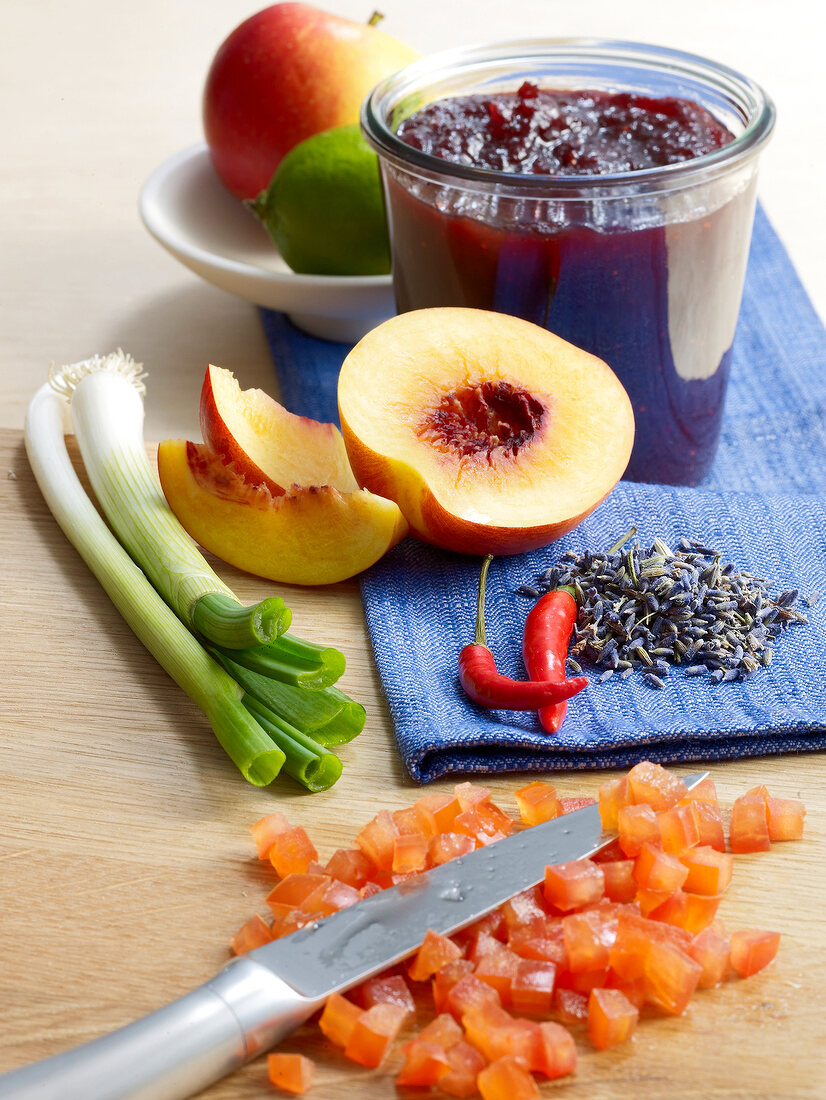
[(268, 695)]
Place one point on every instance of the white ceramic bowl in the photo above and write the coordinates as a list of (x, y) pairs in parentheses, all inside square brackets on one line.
[(187, 209)]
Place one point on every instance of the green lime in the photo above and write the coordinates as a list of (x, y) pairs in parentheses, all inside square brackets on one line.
[(324, 208)]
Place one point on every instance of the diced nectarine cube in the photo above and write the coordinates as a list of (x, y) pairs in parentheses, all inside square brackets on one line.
[(445, 979), (709, 871), (532, 987), (653, 785), (671, 976), (649, 900), (679, 828), (523, 907), (485, 822), (711, 949), (410, 851), (491, 1029), (612, 796), (785, 818), (506, 1079), (338, 1019), (442, 1029), (693, 912), (497, 967), (446, 846), (710, 825), (292, 852), (537, 802), (611, 1018), (424, 1064), (300, 889), (290, 1072), (620, 884), (253, 933), (373, 1033), (386, 989), (657, 870), (466, 1063), (437, 812), (539, 938), (556, 1049), (377, 839), (570, 1006), (436, 951), (350, 865), (705, 791), (752, 950), (469, 992), (749, 823), (588, 937), (637, 825), (266, 829), (407, 821), (471, 794), (634, 936), (574, 884)]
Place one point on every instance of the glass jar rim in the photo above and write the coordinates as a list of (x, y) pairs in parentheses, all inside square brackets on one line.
[(748, 96)]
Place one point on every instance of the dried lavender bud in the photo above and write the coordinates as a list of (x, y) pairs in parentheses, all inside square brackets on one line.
[(648, 609)]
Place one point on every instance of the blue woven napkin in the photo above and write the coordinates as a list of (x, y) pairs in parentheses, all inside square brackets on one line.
[(763, 505)]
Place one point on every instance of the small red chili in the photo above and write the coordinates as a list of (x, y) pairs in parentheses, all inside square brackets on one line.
[(486, 686), (545, 640)]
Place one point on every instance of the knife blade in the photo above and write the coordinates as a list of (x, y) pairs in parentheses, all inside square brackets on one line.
[(260, 997)]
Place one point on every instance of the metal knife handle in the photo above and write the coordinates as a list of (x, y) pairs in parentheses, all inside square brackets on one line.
[(178, 1050)]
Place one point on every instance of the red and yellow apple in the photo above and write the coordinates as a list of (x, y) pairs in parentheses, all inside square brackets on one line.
[(287, 73), (272, 493), (490, 433)]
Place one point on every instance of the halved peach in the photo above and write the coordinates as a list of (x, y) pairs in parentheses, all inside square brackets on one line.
[(311, 535), (265, 442), (490, 433)]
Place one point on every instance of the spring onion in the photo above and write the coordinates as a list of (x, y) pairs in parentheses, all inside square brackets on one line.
[(253, 752), (239, 664)]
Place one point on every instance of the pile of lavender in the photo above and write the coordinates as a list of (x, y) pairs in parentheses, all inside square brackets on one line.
[(648, 610)]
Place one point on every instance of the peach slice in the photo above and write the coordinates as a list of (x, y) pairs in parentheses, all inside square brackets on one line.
[(267, 444), (311, 535), (490, 433)]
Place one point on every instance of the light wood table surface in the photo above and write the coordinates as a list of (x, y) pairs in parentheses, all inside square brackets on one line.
[(125, 861)]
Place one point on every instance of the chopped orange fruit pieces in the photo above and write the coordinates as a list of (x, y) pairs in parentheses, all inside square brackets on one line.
[(290, 1072), (595, 943)]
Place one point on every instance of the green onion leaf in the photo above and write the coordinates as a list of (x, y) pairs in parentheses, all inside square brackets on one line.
[(327, 715), (304, 760)]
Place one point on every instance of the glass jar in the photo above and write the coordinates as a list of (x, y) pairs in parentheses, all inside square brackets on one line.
[(642, 268)]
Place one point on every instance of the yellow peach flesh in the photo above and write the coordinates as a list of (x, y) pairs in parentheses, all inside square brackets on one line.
[(315, 535), (511, 501)]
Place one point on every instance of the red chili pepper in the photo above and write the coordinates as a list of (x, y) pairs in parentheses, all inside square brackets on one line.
[(489, 688), (545, 641)]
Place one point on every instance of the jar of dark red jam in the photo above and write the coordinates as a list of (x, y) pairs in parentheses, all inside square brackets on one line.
[(499, 197)]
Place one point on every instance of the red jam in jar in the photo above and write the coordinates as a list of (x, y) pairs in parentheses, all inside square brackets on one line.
[(650, 284), (563, 133)]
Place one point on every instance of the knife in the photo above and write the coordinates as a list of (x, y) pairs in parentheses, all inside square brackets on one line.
[(260, 997)]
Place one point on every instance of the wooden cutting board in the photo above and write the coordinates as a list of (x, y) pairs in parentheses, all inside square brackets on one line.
[(127, 863)]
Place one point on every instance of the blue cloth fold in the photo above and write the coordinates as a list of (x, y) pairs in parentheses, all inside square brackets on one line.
[(763, 506)]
